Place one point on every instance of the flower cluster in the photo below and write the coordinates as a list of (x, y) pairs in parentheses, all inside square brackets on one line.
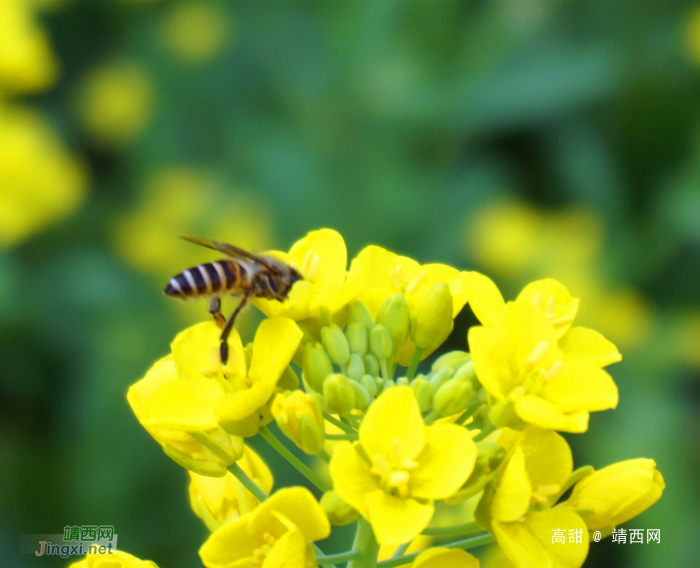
[(479, 424)]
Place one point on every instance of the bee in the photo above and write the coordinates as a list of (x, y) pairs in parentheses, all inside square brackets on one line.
[(243, 274)]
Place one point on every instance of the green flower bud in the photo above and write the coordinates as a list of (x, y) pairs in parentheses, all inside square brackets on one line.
[(370, 384), (371, 365), (395, 316), (402, 382), (325, 317), (336, 344), (201, 467), (358, 313), (356, 367), (466, 371), (380, 342), (288, 380), (227, 448), (380, 385), (339, 513), (316, 365), (362, 397), (424, 393), (433, 318), (338, 394), (452, 397), (452, 359), (358, 338), (439, 378)]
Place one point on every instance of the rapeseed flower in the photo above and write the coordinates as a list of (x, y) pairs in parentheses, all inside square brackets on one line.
[(445, 558), (115, 559)]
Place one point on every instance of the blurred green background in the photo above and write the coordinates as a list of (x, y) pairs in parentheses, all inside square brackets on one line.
[(523, 139)]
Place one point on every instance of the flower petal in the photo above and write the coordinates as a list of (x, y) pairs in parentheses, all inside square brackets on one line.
[(548, 458), (228, 544), (445, 558), (483, 296), (554, 299), (184, 405), (445, 462), (583, 345), (332, 257), (196, 351), (396, 520), (275, 343), (288, 550), (540, 412), (393, 419), (351, 476), (581, 386), (512, 497)]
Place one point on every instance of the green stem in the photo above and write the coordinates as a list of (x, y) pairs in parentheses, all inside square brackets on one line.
[(339, 558), (319, 554), (575, 477), (352, 421), (433, 415), (295, 461), (467, 543), (366, 545), (247, 482), (417, 354), (338, 423), (469, 412), (401, 549), (341, 436), (484, 432), (323, 454), (384, 368), (452, 531)]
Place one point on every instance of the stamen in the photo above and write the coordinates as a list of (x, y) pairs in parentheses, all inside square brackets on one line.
[(553, 371), (560, 322), (398, 478), (312, 272), (416, 282), (307, 261), (537, 299), (396, 450), (536, 356), (396, 278), (380, 466), (551, 305)]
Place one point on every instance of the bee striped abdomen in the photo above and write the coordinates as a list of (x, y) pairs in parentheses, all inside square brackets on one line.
[(210, 279)]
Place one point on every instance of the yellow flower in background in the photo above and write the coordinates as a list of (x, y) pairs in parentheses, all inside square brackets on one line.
[(118, 559), (521, 363), (114, 102), (196, 32), (276, 534), (519, 513), (692, 36), (27, 63), (445, 558), (321, 257), (219, 500), (378, 274), (400, 466), (40, 182), (617, 493)]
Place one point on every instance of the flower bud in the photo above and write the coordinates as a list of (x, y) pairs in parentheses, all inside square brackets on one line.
[(289, 380), (316, 365), (395, 316), (433, 318), (336, 344), (380, 342), (360, 314), (371, 365), (617, 493), (300, 417), (452, 397), (423, 391), (362, 397), (453, 360), (338, 394), (402, 382), (358, 338), (339, 513), (465, 371), (356, 367), (370, 384), (440, 377)]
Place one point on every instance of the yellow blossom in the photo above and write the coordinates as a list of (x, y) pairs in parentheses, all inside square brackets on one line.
[(218, 500), (40, 182), (26, 61), (445, 558), (196, 32), (519, 512), (521, 363), (400, 466), (617, 493), (378, 274), (274, 535), (117, 559), (321, 257)]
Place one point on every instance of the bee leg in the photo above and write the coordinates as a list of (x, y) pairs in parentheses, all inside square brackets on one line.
[(215, 310), (227, 330)]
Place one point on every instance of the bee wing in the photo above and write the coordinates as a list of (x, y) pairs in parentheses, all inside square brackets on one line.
[(230, 250)]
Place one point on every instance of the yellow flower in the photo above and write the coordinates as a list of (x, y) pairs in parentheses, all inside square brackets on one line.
[(114, 102), (521, 363), (321, 257), (617, 493), (26, 61), (520, 516), (41, 182), (378, 274), (195, 32), (445, 558), (117, 559), (274, 535), (219, 500), (400, 466), (300, 417)]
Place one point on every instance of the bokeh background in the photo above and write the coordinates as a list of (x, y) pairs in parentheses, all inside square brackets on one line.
[(523, 139)]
